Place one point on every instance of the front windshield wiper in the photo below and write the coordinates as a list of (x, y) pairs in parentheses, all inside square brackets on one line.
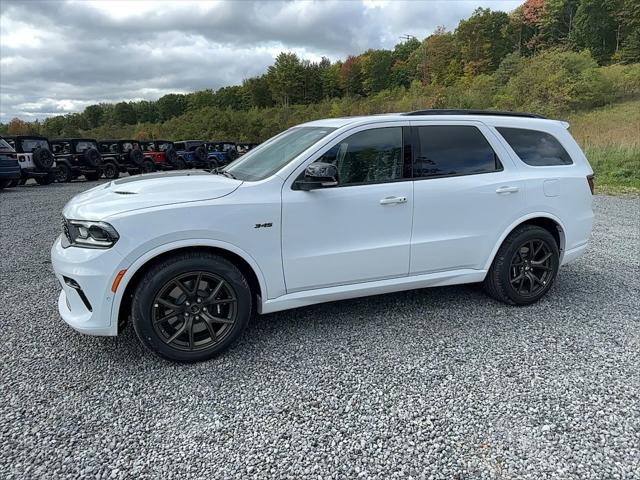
[(229, 174)]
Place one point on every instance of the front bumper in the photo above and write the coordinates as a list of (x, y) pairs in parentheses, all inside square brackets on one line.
[(87, 273)]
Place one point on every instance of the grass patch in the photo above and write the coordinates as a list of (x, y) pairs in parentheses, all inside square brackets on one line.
[(610, 138)]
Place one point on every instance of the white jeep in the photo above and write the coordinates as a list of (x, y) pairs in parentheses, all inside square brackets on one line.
[(34, 157), (327, 210)]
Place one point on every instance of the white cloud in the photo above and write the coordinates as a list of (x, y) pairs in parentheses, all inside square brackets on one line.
[(58, 57)]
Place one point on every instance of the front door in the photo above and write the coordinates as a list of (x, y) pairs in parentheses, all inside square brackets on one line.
[(359, 230)]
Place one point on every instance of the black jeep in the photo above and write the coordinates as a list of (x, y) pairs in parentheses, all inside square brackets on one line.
[(34, 157), (9, 168), (123, 156), (75, 157)]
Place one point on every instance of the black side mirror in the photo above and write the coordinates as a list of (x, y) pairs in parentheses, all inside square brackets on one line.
[(318, 175)]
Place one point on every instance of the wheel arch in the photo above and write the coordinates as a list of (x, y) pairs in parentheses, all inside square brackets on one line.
[(244, 262), (545, 220)]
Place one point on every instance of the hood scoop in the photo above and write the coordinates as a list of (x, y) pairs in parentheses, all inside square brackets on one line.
[(125, 193)]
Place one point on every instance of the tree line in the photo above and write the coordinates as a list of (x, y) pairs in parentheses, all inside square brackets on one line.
[(503, 59)]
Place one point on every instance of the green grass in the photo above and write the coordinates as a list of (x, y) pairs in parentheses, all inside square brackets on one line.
[(610, 138)]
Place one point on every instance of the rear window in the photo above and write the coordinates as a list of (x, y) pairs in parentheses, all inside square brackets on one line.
[(30, 144), (450, 150), (535, 148), (83, 145)]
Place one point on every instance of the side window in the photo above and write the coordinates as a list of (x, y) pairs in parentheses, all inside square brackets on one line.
[(103, 147), (448, 150), (179, 146), (370, 156), (535, 148)]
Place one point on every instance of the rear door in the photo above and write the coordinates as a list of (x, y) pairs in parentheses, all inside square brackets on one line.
[(467, 192)]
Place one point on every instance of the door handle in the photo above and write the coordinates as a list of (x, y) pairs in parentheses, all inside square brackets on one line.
[(391, 200), (501, 190)]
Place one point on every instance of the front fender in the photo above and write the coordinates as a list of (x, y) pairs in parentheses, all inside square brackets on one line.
[(134, 266)]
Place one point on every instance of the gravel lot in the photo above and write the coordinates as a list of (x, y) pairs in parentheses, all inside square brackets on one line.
[(435, 383)]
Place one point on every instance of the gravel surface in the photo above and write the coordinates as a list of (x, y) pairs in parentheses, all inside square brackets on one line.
[(435, 383)]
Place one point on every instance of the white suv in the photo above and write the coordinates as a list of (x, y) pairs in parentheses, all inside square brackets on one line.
[(327, 210)]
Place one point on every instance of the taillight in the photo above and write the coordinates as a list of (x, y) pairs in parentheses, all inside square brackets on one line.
[(591, 182)]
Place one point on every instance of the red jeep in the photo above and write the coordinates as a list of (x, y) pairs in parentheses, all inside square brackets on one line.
[(163, 154)]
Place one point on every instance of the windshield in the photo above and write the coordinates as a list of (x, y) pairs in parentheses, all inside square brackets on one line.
[(30, 144), (275, 153)]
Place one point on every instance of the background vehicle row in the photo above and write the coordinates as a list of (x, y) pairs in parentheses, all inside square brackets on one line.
[(67, 159)]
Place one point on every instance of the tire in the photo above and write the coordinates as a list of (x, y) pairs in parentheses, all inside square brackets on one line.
[(46, 180), (92, 176), (42, 158), (110, 171), (22, 181), (181, 164), (147, 167), (171, 157), (157, 289), (4, 184), (201, 155), (213, 164), (513, 271), (92, 157), (136, 156), (14, 183), (63, 174)]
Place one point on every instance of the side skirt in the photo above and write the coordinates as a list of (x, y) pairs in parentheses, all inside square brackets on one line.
[(342, 292)]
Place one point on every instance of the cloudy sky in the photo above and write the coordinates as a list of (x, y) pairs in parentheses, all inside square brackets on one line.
[(60, 56)]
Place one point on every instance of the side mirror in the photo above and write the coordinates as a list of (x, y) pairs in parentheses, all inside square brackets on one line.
[(318, 175)]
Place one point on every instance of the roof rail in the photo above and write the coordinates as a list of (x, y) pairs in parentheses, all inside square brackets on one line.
[(442, 111)]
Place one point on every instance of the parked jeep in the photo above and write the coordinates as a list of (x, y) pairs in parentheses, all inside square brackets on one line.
[(34, 157), (75, 157), (9, 168), (123, 156), (163, 154), (223, 153), (193, 153)]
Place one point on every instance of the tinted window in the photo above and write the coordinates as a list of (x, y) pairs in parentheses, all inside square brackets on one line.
[(179, 146), (164, 146), (453, 150), (371, 156), (535, 148)]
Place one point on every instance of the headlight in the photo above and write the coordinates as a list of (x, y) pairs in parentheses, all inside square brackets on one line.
[(88, 234)]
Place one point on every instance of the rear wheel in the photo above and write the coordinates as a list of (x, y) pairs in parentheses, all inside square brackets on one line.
[(191, 306), (111, 171), (14, 183), (63, 174), (92, 176), (525, 266)]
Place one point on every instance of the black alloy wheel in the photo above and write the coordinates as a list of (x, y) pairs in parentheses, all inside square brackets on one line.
[(110, 171), (531, 268), (191, 306), (525, 266), (63, 173), (194, 311)]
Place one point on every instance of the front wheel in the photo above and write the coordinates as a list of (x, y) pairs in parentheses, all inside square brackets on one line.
[(525, 266), (46, 180), (111, 171), (147, 167), (191, 306), (63, 174)]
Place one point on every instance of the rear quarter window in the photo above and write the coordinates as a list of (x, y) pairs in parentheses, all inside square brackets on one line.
[(535, 148)]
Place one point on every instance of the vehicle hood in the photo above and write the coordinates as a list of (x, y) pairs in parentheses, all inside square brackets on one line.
[(146, 191)]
